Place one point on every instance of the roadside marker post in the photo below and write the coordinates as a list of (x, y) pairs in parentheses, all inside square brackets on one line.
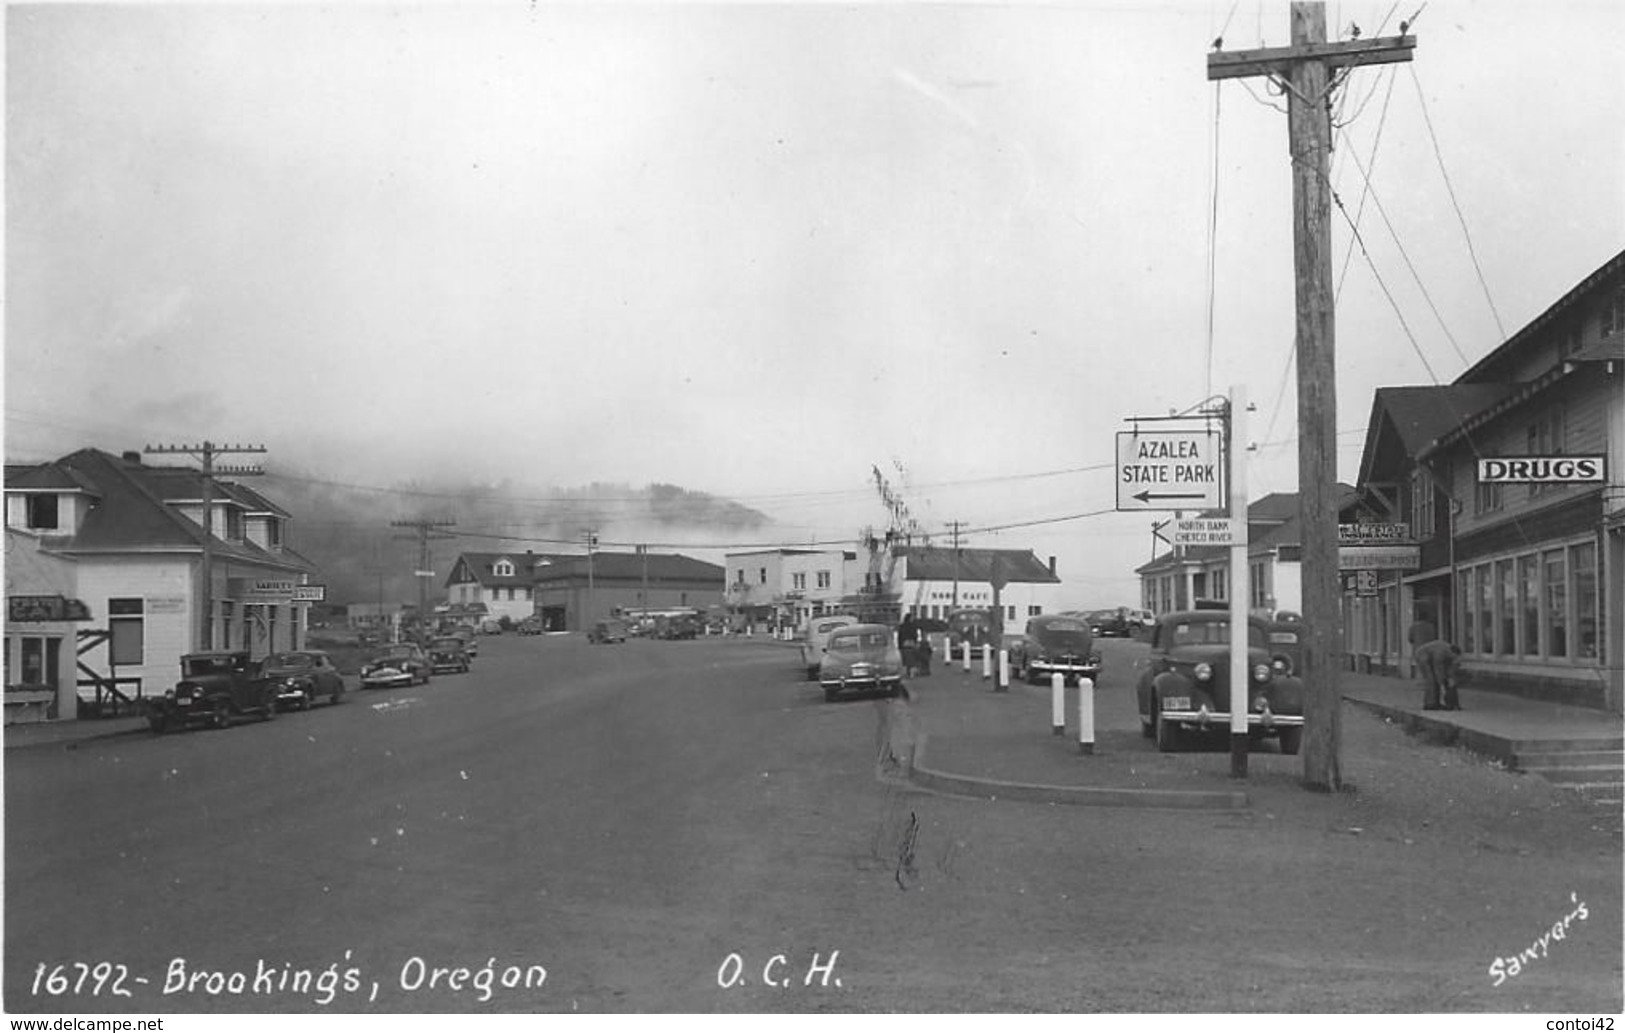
[(964, 656), (987, 663), (1057, 702), (1004, 670), (1086, 715)]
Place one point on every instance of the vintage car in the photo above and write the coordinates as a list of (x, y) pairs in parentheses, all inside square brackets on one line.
[(1055, 644), (530, 626), (302, 677), (974, 626), (678, 626), (400, 664), (607, 631), (1286, 646), (447, 653), (471, 639), (816, 637), (861, 658), (215, 688), (1112, 623), (1185, 688)]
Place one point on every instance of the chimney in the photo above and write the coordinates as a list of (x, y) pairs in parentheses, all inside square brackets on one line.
[(133, 457), (1052, 566)]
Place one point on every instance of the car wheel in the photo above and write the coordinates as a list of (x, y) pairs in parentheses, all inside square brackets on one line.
[(306, 698), (219, 715), (1167, 735), (812, 674), (1291, 739)]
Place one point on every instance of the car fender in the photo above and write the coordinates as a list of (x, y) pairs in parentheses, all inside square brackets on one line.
[(1172, 683), (1286, 695)]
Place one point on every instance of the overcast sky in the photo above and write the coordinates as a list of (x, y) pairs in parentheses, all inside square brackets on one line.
[(757, 249)]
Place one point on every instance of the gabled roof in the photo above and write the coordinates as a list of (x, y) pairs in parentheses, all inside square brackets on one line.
[(1412, 419), (45, 477), (933, 563), (481, 568), (1487, 367), (132, 514)]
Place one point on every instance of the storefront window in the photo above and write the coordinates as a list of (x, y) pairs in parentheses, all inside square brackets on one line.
[(1486, 608), (1557, 619), (1529, 603), (1586, 639), (1469, 619), (1507, 605)]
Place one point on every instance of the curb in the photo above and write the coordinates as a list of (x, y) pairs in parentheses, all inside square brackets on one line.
[(70, 741), (1094, 796)]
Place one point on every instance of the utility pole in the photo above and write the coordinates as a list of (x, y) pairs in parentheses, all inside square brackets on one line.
[(425, 530), (954, 526), (207, 452), (643, 596), (1302, 70), (590, 536)]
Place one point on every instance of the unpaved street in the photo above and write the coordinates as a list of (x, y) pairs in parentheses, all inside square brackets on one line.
[(687, 826)]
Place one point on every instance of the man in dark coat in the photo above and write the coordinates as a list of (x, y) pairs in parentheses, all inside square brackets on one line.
[(1439, 661)]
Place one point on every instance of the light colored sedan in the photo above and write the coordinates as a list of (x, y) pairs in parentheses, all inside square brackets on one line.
[(861, 658)]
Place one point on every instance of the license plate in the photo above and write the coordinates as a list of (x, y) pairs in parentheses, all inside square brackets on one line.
[(1176, 702), (183, 702)]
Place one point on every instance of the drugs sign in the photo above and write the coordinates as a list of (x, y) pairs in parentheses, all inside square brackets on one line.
[(1169, 469), (1543, 470)]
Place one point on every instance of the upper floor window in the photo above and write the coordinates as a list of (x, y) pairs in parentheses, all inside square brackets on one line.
[(234, 523), (42, 512), (1423, 515), (1546, 437), (823, 579), (1613, 313), (1486, 498), (503, 568), (798, 582), (273, 533), (763, 575)]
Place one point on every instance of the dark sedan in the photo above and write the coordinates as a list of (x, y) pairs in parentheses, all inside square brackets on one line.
[(1185, 689), (1055, 644), (300, 678)]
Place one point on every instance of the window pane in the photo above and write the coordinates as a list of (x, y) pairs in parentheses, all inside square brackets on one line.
[(1486, 609), (1469, 620), (1507, 586), (126, 645), (1586, 639), (1529, 601), (1557, 619)]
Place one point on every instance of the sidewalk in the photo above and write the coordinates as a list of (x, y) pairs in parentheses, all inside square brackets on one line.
[(972, 740), (71, 733)]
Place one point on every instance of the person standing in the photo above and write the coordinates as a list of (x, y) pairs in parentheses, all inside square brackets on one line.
[(1439, 662), (908, 640)]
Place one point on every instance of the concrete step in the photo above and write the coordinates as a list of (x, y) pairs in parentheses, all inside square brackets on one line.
[(1540, 761), (1579, 775)]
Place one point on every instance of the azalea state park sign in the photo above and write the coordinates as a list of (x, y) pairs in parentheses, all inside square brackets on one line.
[(1169, 469)]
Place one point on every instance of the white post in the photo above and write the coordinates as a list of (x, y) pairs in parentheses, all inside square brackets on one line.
[(1004, 670), (1086, 715), (987, 663), (964, 656), (1057, 702), (1240, 584)]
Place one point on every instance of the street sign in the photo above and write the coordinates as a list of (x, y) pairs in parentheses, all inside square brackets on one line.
[(310, 594), (1590, 469), (1169, 469), (1205, 531), (1373, 534), (423, 573), (1379, 557)]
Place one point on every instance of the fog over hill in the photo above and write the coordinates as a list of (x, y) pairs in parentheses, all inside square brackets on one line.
[(352, 533)]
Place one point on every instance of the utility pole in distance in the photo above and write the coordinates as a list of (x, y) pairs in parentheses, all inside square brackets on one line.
[(207, 452), (1302, 70), (954, 526), (425, 531)]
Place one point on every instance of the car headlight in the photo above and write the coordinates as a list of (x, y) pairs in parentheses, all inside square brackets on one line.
[(1261, 672), (1203, 672), (1260, 703), (169, 693)]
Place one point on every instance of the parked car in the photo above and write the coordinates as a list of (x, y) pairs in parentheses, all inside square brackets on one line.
[(816, 636), (401, 664), (676, 626), (490, 626), (470, 639), (861, 658), (1055, 644), (607, 631), (448, 653), (1112, 623), (1185, 689), (1286, 646), (530, 626), (215, 689), (975, 626), (299, 678)]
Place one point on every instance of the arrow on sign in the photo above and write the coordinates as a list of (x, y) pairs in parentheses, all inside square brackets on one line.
[(1147, 496)]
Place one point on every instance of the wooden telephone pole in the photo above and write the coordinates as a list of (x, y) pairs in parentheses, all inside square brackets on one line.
[(207, 452), (425, 531), (1305, 71)]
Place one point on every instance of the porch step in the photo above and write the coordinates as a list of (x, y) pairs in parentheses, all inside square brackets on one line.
[(1574, 767)]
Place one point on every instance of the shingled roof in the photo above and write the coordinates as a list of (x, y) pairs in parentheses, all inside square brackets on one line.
[(630, 566), (933, 563)]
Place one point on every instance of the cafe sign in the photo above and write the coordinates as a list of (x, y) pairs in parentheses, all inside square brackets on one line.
[(39, 608)]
